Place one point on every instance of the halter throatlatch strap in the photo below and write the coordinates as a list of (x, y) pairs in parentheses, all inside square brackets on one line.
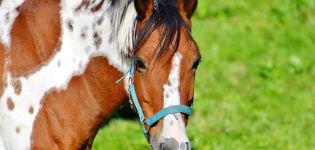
[(147, 123)]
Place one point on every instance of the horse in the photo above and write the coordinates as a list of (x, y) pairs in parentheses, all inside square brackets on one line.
[(60, 61)]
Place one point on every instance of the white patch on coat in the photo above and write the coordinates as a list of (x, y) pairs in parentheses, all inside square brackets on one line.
[(1, 144), (8, 13), (71, 60), (173, 124)]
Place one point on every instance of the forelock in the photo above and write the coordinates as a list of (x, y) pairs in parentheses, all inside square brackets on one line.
[(169, 23)]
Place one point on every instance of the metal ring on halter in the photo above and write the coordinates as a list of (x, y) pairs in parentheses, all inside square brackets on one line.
[(146, 127)]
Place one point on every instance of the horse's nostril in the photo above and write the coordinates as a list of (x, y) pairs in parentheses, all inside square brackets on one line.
[(161, 146), (188, 146), (185, 146)]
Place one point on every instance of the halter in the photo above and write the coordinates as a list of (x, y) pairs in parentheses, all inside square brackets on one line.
[(147, 123)]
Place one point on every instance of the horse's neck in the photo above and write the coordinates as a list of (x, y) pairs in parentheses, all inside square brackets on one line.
[(74, 116), (52, 51), (77, 112)]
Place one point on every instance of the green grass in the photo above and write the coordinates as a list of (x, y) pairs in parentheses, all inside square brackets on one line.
[(255, 88)]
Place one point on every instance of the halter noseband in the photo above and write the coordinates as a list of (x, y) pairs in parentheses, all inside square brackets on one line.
[(147, 123)]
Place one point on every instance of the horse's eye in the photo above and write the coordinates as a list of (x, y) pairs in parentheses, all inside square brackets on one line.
[(196, 64), (140, 66)]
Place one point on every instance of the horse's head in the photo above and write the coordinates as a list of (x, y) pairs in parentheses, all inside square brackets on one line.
[(166, 59)]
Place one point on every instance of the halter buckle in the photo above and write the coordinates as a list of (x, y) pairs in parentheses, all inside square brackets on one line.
[(145, 126), (130, 80)]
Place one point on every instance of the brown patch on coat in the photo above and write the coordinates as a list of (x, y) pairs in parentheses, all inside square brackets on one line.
[(83, 35), (31, 109), (10, 104), (18, 130), (86, 3), (32, 47), (70, 25), (2, 63), (100, 20), (97, 40), (17, 85), (98, 6)]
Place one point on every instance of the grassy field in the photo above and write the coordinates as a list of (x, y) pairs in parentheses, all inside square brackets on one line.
[(256, 85)]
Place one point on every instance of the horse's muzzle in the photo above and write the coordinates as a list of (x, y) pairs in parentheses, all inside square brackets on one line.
[(170, 144)]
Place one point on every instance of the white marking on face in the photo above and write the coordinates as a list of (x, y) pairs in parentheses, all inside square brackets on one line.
[(71, 60), (8, 13), (1, 145), (173, 124)]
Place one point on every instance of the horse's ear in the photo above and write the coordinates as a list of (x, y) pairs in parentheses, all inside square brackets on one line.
[(187, 7), (144, 8)]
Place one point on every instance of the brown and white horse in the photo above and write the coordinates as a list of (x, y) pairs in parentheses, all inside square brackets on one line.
[(59, 60)]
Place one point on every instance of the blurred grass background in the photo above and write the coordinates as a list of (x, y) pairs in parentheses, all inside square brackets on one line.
[(255, 88)]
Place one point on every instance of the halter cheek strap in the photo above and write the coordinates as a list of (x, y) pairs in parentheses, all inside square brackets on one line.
[(147, 123)]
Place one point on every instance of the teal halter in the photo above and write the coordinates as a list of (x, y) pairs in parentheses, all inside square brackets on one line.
[(147, 123)]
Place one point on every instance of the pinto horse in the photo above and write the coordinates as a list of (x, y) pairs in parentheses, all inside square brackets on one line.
[(60, 60)]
